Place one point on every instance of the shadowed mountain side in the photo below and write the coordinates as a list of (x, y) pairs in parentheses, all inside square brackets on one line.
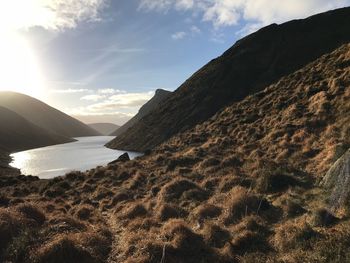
[(253, 63), (239, 187), (104, 128), (151, 105), (16, 133), (44, 115)]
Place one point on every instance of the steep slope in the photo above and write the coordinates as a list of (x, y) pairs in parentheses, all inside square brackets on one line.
[(104, 128), (303, 120), (152, 104), (251, 64), (44, 115), (240, 187), (16, 133)]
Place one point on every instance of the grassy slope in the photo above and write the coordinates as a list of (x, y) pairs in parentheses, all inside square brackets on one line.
[(253, 63), (241, 186)]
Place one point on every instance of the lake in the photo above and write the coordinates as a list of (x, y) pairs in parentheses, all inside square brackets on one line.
[(56, 160)]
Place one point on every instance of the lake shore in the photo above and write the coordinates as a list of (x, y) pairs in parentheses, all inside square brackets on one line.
[(241, 187), (52, 161)]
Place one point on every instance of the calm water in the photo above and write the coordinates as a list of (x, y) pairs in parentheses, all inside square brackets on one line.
[(52, 161)]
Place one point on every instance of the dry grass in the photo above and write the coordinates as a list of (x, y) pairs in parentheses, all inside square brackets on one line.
[(32, 212), (241, 203), (293, 235), (237, 187)]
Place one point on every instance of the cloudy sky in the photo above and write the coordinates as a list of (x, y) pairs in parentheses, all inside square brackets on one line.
[(100, 60)]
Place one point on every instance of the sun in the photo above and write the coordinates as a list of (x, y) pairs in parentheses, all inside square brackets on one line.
[(19, 68)]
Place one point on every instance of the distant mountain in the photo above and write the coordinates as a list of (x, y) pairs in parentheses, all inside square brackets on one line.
[(44, 115), (253, 63), (152, 104), (104, 128), (16, 133)]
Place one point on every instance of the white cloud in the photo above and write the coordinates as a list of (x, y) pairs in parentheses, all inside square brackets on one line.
[(178, 35), (102, 104), (49, 14), (114, 117), (69, 90), (127, 100), (257, 12), (93, 97), (110, 91), (195, 30), (158, 5), (223, 13), (119, 106), (184, 4)]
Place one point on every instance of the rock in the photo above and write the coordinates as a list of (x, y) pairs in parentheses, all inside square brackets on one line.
[(122, 158), (338, 179)]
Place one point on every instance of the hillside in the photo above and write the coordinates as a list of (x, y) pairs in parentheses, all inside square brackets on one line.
[(45, 116), (16, 133), (104, 128), (253, 63), (159, 96), (240, 187)]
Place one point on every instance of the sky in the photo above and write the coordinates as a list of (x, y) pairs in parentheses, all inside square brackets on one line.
[(100, 60)]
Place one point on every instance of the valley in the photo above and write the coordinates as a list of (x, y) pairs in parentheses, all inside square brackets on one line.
[(247, 161)]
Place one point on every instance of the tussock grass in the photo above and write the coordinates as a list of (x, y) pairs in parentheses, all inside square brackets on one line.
[(236, 188)]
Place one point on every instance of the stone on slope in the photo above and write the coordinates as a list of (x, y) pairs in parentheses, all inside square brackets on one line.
[(122, 158), (338, 179)]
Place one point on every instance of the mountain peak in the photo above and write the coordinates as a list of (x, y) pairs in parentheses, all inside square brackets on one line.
[(159, 96)]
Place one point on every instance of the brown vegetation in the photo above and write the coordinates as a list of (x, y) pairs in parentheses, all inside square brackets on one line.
[(246, 191)]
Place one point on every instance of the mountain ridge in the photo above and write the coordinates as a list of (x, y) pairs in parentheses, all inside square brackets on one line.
[(159, 96), (253, 63), (19, 134), (239, 187), (44, 116)]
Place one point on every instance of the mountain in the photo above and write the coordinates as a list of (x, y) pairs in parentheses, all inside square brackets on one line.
[(16, 133), (239, 187), (152, 104), (253, 63), (104, 128), (45, 116)]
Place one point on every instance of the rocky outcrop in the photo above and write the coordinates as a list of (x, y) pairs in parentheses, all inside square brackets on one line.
[(337, 179), (122, 158)]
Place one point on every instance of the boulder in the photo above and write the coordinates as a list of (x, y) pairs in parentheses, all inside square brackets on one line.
[(122, 158), (337, 179)]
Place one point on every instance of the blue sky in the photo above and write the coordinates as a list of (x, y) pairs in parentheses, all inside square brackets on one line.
[(100, 60)]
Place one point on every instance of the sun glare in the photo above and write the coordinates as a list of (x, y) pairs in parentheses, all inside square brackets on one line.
[(18, 66)]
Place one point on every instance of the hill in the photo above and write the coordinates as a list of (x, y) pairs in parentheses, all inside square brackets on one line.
[(159, 96), (45, 116), (240, 187), (104, 128), (16, 133), (253, 63)]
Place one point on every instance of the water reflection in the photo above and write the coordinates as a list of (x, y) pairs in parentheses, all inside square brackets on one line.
[(52, 161)]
